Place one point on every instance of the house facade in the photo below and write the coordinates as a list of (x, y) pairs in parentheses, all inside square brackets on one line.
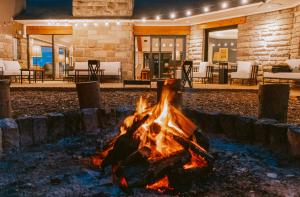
[(126, 32)]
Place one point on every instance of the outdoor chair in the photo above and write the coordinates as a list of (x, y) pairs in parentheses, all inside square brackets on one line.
[(10, 69), (94, 70), (245, 72), (204, 72)]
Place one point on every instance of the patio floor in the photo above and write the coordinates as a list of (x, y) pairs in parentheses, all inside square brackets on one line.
[(197, 86)]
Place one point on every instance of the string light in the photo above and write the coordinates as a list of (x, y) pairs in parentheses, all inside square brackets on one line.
[(172, 15), (206, 9), (188, 13), (224, 5), (244, 1)]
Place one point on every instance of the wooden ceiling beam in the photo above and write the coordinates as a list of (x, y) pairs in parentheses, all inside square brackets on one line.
[(49, 30), (224, 23), (161, 30)]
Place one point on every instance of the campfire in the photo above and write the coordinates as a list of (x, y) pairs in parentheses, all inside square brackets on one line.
[(158, 148)]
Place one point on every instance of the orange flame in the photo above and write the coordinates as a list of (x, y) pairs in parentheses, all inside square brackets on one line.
[(161, 185), (195, 162)]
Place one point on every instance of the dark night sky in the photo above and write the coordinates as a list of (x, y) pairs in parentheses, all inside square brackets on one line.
[(143, 8)]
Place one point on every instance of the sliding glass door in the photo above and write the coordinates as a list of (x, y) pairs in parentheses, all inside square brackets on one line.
[(156, 54)]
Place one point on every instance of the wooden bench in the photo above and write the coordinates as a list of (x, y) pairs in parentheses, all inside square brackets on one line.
[(136, 82)]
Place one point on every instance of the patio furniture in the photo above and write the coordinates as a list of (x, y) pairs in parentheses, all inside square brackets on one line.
[(187, 73), (136, 82), (11, 69), (94, 70), (283, 73), (223, 72), (145, 74), (112, 69), (245, 72), (204, 72)]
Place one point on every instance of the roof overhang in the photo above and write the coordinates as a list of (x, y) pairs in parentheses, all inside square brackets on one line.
[(246, 10)]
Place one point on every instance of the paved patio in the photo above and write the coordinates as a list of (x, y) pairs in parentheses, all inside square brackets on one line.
[(197, 86)]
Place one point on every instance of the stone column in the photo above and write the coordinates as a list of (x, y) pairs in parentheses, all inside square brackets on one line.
[(5, 104)]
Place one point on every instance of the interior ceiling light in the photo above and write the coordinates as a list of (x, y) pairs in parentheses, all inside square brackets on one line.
[(96, 24), (157, 17), (144, 20), (224, 5), (106, 23), (118, 23)]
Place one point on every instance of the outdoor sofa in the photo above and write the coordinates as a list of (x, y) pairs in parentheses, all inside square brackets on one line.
[(292, 73), (111, 69)]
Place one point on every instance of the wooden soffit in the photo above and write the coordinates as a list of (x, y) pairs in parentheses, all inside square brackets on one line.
[(161, 30), (224, 23), (49, 30)]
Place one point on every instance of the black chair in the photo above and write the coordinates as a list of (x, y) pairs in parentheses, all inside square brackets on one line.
[(94, 70), (187, 73)]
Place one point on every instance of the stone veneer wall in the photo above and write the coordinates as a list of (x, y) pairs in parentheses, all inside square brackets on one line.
[(94, 8), (106, 43), (295, 48), (195, 44), (267, 38)]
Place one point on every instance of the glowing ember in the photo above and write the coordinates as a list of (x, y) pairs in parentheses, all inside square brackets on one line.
[(196, 161), (161, 185)]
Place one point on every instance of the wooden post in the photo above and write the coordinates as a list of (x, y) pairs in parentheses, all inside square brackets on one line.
[(273, 101), (174, 87), (5, 104), (88, 94)]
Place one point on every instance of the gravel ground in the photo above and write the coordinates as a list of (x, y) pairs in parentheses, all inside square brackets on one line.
[(242, 102), (59, 170)]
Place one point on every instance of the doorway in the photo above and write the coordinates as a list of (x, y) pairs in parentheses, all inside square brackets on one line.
[(154, 53)]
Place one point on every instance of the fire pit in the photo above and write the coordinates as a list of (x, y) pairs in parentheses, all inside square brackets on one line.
[(157, 148)]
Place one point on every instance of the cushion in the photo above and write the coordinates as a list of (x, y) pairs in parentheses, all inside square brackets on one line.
[(281, 68), (293, 63), (244, 66), (12, 66), (295, 76), (1, 63), (240, 75), (81, 65), (203, 67), (111, 68)]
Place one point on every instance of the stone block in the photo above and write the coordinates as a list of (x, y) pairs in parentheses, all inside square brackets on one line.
[(26, 131), (90, 119), (107, 118), (279, 138), (244, 128), (208, 122), (40, 129), (73, 123), (10, 134), (228, 124), (294, 141), (262, 129), (1, 138), (56, 126)]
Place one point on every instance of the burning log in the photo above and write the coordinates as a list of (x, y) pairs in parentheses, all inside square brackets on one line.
[(189, 145), (152, 170), (124, 145)]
